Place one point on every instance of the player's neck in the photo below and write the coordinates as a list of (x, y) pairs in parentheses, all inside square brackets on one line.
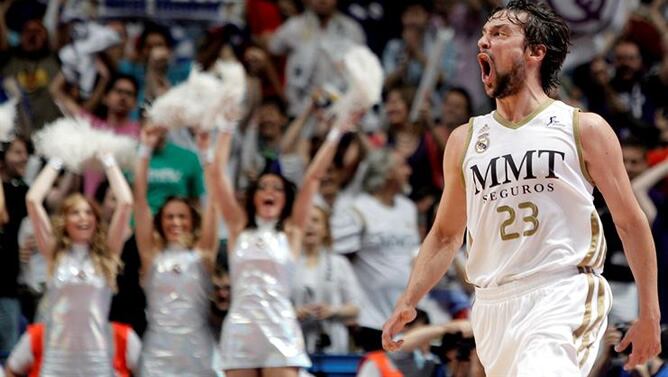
[(516, 107)]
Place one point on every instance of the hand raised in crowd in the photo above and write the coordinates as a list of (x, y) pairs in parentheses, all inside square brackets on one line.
[(151, 134), (323, 311), (257, 59), (158, 59), (26, 249)]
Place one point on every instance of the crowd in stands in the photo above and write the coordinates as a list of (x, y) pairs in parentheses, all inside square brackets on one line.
[(378, 198)]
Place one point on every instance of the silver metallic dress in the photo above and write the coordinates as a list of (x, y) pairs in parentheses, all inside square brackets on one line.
[(178, 340), (261, 328), (78, 341)]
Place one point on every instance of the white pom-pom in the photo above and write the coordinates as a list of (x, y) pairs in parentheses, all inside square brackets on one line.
[(233, 77), (168, 109), (76, 143), (68, 140), (364, 75), (7, 119), (122, 147), (203, 98)]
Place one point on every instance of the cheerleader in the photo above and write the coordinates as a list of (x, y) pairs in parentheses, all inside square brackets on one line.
[(83, 258), (178, 251), (261, 335)]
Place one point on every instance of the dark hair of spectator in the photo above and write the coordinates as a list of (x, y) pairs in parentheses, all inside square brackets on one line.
[(4, 146), (116, 77), (154, 28), (542, 26), (632, 141), (428, 6), (290, 191), (466, 95), (407, 93), (277, 102), (194, 215), (420, 317)]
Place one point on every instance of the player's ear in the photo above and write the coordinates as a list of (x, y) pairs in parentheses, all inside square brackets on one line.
[(537, 52)]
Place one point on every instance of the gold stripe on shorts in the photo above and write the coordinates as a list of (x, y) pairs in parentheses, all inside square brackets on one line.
[(594, 246), (591, 333), (587, 313)]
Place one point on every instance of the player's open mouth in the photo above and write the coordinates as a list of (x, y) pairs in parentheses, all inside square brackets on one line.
[(487, 73)]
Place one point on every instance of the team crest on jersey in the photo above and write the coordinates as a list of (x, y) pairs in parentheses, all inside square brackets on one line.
[(482, 143)]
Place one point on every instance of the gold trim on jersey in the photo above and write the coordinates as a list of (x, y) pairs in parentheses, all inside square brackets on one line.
[(469, 136), (506, 123), (601, 256), (578, 145), (595, 246), (591, 334)]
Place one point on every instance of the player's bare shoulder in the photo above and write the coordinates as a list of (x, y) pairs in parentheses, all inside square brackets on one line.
[(458, 142), (600, 146)]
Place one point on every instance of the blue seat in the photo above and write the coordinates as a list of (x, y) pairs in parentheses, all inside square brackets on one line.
[(335, 365)]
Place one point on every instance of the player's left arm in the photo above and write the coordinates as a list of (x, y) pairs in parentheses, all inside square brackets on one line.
[(602, 154)]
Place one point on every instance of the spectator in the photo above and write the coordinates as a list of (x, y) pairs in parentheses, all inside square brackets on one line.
[(220, 304), (419, 144), (415, 358), (120, 98), (26, 358), (271, 143), (173, 172), (383, 234), (325, 290), (153, 70), (129, 301), (14, 157), (311, 40), (405, 59), (34, 66)]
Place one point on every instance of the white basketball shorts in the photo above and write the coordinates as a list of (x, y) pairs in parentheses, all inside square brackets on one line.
[(546, 325)]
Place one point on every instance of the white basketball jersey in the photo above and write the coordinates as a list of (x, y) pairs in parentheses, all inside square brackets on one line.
[(529, 200)]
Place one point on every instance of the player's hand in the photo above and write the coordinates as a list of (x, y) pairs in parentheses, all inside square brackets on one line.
[(645, 337), (402, 315)]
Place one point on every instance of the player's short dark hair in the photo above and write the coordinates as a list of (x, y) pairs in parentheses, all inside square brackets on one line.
[(541, 27)]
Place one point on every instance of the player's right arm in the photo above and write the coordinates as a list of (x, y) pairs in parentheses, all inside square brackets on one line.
[(441, 243)]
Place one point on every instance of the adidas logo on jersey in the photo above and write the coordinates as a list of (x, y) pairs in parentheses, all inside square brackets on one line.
[(554, 122)]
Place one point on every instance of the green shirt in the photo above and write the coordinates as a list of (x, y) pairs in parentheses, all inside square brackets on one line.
[(173, 171)]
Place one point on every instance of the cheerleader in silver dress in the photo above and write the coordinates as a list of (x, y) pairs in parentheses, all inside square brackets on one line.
[(178, 256), (261, 331), (83, 262)]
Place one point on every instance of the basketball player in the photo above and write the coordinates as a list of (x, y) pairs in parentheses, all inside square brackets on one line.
[(520, 181)]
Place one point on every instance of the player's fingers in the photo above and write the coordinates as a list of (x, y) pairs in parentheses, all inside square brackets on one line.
[(635, 358), (388, 343), (623, 343)]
